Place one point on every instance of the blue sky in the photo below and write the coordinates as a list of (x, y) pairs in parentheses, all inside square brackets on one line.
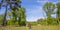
[(34, 9)]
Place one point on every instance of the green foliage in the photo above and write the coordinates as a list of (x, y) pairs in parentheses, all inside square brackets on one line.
[(22, 16), (41, 21), (23, 23), (49, 9), (11, 23), (1, 17), (0, 21), (32, 23), (58, 11), (50, 21), (17, 16)]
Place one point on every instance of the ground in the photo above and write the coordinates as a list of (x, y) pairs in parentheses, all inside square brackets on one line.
[(51, 27)]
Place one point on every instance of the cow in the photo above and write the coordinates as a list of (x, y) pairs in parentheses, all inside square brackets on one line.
[(28, 26)]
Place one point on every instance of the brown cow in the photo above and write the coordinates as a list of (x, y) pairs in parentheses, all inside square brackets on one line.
[(28, 26)]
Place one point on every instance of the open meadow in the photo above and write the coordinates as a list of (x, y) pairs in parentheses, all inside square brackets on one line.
[(51, 27)]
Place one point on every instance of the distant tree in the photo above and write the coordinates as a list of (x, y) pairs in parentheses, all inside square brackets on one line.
[(49, 9), (39, 20)]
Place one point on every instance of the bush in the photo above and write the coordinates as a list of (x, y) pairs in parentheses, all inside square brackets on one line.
[(22, 23)]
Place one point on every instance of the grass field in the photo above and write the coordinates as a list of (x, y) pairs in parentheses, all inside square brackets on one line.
[(51, 27)]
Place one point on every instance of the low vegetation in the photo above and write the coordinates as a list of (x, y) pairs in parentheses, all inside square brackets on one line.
[(42, 27)]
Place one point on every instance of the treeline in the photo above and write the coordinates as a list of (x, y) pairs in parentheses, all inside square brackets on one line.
[(14, 12), (50, 9)]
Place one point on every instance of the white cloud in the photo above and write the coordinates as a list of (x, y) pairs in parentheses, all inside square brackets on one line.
[(33, 18), (44, 1), (41, 1), (35, 13)]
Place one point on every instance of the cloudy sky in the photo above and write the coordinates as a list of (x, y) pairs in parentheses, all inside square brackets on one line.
[(34, 9)]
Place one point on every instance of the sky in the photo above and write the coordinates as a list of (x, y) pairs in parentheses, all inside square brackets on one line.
[(34, 9)]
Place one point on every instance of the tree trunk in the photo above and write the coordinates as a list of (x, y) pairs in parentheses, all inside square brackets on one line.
[(4, 23), (19, 21)]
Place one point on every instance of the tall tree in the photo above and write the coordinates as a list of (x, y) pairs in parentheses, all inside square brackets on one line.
[(21, 16), (49, 9), (5, 5), (15, 8), (17, 5), (58, 11)]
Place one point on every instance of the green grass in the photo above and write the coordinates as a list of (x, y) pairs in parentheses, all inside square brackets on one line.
[(51, 27)]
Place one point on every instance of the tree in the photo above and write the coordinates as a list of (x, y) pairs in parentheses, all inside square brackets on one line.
[(7, 3), (39, 20), (5, 14), (21, 16), (58, 11), (49, 9), (15, 9)]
